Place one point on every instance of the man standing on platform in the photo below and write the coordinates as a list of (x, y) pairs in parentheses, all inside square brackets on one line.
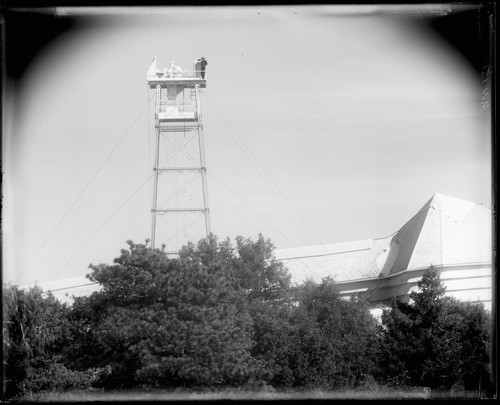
[(203, 62)]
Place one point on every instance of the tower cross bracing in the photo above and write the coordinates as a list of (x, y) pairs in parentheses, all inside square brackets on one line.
[(179, 211)]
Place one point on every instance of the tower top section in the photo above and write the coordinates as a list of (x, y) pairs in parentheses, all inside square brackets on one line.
[(175, 75)]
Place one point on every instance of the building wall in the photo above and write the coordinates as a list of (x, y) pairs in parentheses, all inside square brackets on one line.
[(472, 282)]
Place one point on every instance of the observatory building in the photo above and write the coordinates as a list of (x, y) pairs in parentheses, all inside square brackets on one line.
[(453, 235)]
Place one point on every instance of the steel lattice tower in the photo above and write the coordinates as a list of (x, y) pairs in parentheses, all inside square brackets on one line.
[(180, 195)]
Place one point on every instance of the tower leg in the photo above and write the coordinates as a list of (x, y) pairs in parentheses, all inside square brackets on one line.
[(201, 145), (155, 168)]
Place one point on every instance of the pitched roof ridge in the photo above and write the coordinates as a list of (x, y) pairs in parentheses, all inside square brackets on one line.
[(443, 197), (409, 234), (426, 207)]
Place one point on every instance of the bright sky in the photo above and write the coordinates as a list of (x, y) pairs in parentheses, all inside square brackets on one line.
[(357, 117)]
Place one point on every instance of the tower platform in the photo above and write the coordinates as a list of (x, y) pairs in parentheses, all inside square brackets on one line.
[(187, 81), (175, 75)]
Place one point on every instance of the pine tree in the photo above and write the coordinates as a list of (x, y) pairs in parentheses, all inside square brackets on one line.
[(166, 322), (436, 341)]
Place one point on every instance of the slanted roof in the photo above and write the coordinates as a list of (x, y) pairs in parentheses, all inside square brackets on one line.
[(454, 231), (445, 231), (341, 261)]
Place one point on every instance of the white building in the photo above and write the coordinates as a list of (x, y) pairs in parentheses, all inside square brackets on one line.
[(452, 234)]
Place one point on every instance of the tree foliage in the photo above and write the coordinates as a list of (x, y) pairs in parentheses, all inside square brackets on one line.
[(436, 341), (257, 271), (181, 321), (339, 334), (315, 339), (36, 334), (227, 314)]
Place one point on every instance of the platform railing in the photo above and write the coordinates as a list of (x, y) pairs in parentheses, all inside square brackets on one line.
[(173, 74)]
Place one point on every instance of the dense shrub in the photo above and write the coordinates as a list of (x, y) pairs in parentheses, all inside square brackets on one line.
[(436, 341), (227, 315), (36, 334), (56, 377), (335, 338), (315, 339), (168, 322)]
